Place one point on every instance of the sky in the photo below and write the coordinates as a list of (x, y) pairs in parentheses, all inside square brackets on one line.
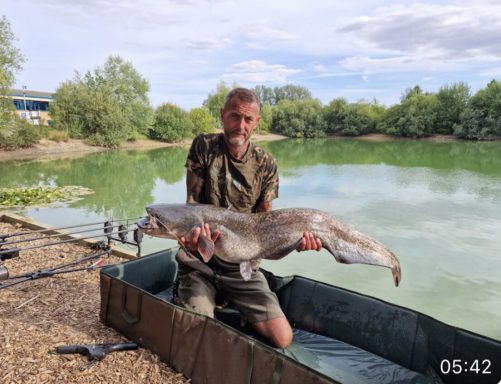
[(358, 50)]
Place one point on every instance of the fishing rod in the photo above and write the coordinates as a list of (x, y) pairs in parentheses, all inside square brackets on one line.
[(109, 235), (6, 236), (48, 272), (60, 234)]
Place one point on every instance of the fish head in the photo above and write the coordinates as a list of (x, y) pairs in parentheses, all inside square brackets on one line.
[(168, 220)]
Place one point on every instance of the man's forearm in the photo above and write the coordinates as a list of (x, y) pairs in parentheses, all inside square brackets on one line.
[(264, 206), (194, 184)]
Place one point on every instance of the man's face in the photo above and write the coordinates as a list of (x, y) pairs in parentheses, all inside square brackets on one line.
[(239, 120)]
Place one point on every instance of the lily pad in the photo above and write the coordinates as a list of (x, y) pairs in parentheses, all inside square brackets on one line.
[(40, 195)]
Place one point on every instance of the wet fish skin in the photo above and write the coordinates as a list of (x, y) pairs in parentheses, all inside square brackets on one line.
[(269, 235)]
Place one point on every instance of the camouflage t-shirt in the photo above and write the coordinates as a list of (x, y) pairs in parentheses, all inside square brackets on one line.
[(240, 185)]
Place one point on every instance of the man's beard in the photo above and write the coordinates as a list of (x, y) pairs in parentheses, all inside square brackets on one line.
[(237, 140)]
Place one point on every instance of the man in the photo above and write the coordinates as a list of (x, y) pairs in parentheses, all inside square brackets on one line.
[(227, 170)]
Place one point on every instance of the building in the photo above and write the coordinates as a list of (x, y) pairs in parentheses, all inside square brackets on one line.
[(32, 105)]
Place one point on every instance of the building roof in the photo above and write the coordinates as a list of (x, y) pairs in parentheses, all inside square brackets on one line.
[(31, 94)]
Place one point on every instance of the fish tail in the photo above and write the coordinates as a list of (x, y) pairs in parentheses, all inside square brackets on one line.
[(397, 274)]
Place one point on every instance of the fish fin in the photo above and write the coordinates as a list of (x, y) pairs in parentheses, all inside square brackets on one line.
[(246, 270), (206, 248), (397, 275), (284, 252)]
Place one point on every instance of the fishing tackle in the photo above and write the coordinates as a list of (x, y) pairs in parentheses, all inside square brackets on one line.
[(48, 272)]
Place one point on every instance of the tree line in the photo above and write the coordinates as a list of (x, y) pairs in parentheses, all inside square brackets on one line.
[(291, 110), (110, 104)]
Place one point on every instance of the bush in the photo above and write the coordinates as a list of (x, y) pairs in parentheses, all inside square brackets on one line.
[(57, 135), (18, 133), (171, 124), (298, 119), (266, 121), (203, 121), (481, 119), (414, 117)]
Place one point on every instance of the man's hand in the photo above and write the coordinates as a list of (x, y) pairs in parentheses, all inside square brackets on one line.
[(190, 241), (309, 243)]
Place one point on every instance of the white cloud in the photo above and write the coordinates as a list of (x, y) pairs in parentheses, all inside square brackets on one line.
[(210, 44), (320, 68), (453, 31), (257, 71), (260, 31), (367, 65)]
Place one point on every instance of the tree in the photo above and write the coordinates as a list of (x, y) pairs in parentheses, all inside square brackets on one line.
[(298, 118), (130, 89), (11, 59), (335, 115), (70, 100), (14, 132), (203, 121), (452, 101), (266, 121), (411, 92), (106, 106), (171, 123), (216, 99), (481, 119), (352, 119), (415, 116), (265, 94), (292, 92), (362, 118), (287, 92)]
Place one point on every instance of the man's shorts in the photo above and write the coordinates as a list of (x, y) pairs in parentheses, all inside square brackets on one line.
[(199, 283)]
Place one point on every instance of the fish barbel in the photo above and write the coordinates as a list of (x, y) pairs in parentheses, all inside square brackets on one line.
[(269, 235)]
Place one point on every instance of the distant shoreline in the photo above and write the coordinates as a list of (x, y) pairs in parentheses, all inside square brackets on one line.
[(51, 150), (385, 137), (48, 150)]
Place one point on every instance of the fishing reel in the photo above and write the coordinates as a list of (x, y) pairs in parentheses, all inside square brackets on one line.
[(4, 272), (7, 254)]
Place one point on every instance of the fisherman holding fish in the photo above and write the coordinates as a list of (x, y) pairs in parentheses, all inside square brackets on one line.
[(227, 170)]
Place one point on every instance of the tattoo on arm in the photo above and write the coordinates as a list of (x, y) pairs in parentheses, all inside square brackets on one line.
[(194, 184)]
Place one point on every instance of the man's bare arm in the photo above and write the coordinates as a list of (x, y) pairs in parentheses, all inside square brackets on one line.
[(264, 206), (194, 185)]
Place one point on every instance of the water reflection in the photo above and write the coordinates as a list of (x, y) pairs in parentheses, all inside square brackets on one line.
[(123, 181), (482, 158)]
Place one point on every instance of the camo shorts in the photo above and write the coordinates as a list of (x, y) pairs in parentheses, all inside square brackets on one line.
[(200, 283)]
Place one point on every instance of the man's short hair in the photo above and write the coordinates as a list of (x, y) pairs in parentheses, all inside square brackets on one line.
[(242, 94)]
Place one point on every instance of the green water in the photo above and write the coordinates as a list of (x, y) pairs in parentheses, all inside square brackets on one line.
[(436, 205)]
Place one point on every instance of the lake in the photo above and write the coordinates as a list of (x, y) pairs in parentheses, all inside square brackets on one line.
[(437, 205)]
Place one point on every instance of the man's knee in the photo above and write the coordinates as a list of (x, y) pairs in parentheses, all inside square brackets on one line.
[(196, 294), (284, 339), (278, 330), (200, 304)]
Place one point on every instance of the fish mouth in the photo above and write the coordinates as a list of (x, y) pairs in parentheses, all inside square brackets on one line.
[(150, 223), (144, 223), (152, 226)]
